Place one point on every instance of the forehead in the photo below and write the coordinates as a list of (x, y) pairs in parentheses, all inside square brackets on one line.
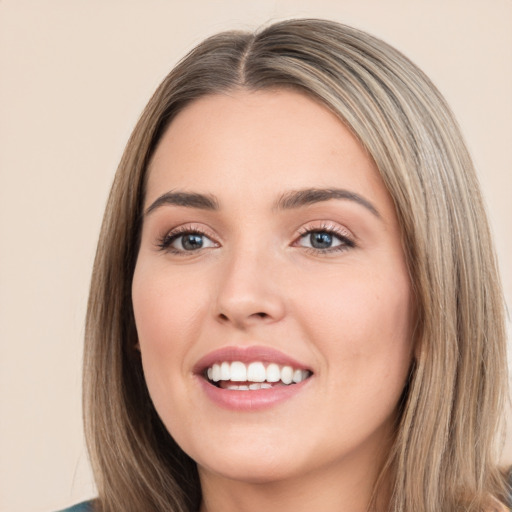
[(259, 143)]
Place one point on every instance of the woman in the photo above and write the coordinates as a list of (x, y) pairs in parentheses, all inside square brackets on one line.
[(295, 303)]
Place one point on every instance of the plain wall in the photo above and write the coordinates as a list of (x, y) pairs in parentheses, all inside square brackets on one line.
[(74, 77)]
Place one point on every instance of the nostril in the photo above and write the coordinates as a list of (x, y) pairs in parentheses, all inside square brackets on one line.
[(261, 315), (225, 318)]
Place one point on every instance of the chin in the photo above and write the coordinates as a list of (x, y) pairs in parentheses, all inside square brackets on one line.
[(242, 459), (256, 471)]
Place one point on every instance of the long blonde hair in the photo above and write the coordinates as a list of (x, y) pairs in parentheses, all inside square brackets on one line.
[(445, 451)]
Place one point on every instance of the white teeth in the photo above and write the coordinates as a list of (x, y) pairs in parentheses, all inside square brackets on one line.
[(260, 385), (287, 374), (254, 375), (256, 372), (253, 386), (216, 373), (273, 373), (238, 371), (225, 372), (297, 376)]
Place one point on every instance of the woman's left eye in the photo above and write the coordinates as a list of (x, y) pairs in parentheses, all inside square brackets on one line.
[(324, 240)]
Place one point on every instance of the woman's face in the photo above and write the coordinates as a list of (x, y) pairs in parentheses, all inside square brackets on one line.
[(271, 252)]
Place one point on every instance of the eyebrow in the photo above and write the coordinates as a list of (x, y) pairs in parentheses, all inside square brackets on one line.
[(186, 199), (288, 201), (298, 198)]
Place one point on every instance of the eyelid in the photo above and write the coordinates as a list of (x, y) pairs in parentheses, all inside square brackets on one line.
[(163, 243), (329, 226), (342, 233)]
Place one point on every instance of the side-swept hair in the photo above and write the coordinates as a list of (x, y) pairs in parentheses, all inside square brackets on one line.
[(445, 452)]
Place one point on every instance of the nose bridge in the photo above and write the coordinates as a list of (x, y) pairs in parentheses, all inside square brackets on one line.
[(249, 285)]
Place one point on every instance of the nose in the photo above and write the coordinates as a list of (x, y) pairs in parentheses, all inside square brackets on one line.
[(250, 291)]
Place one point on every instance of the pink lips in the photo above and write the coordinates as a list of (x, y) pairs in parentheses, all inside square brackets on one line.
[(254, 399), (247, 355)]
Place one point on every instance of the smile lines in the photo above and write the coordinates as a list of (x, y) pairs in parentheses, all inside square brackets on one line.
[(253, 375)]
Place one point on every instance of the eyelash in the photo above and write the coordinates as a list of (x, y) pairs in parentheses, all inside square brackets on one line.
[(347, 242), (165, 242)]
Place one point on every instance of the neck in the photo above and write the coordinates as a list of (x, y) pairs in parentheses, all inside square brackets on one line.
[(341, 489)]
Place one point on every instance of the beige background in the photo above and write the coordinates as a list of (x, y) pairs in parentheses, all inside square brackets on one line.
[(74, 76)]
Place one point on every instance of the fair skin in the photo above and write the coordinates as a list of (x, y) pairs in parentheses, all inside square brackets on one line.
[(317, 281)]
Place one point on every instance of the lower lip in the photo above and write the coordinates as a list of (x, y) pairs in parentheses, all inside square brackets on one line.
[(251, 400)]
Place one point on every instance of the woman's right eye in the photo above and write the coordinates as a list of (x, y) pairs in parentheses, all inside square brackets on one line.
[(186, 242)]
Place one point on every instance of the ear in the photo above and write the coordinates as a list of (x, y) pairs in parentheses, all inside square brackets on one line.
[(137, 346)]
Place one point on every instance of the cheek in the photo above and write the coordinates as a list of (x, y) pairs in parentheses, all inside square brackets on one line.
[(355, 304), (167, 313), (165, 308), (362, 321)]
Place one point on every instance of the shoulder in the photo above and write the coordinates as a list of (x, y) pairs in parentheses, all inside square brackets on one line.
[(85, 506)]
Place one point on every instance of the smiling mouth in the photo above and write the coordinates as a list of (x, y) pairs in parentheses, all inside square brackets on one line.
[(238, 376)]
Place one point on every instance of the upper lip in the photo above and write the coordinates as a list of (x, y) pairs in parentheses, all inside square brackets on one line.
[(247, 355)]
